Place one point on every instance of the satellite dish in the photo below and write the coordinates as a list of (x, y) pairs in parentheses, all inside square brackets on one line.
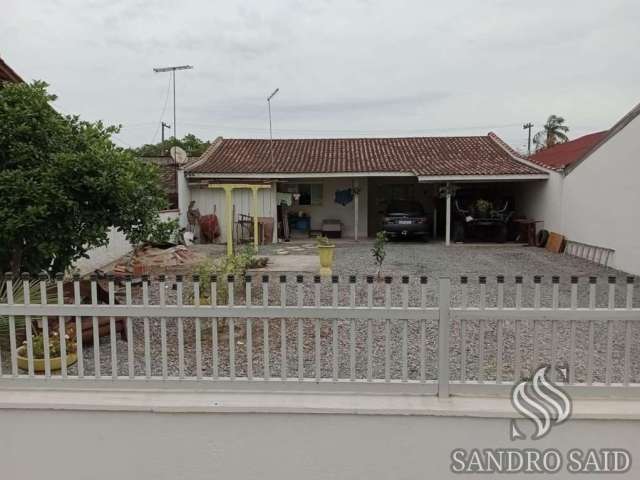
[(179, 155)]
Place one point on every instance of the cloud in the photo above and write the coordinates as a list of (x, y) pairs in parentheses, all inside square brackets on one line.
[(343, 66)]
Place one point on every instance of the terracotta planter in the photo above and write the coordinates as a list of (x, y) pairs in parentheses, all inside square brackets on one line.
[(326, 258), (38, 363)]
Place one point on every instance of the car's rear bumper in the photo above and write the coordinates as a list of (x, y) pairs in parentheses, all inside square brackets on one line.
[(395, 230)]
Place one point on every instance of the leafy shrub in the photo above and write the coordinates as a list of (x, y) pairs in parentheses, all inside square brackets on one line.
[(323, 241), (54, 345), (164, 231), (483, 207), (236, 265), (18, 297)]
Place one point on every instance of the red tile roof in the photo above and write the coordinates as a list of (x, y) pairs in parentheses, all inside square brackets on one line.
[(563, 154), (7, 73), (608, 135), (428, 156)]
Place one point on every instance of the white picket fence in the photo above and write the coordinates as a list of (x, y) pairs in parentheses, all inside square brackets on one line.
[(339, 333)]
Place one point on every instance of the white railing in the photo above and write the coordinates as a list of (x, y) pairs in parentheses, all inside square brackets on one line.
[(325, 334)]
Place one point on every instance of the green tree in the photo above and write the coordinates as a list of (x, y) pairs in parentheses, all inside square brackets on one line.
[(63, 184), (189, 143), (554, 132)]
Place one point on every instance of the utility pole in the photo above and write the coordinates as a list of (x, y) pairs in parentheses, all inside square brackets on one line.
[(528, 126), (173, 78), (164, 125), (270, 130)]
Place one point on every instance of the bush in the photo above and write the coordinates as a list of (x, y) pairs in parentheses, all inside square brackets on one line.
[(54, 345), (323, 241), (236, 265), (165, 231), (18, 297)]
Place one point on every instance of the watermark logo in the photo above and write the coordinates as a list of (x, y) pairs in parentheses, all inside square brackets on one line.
[(545, 404), (541, 401)]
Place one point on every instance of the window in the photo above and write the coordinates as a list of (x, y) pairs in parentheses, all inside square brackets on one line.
[(310, 193)]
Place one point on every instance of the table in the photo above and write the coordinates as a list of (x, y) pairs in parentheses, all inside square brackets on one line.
[(528, 229)]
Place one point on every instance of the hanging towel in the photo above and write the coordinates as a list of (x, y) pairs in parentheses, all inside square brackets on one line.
[(344, 197)]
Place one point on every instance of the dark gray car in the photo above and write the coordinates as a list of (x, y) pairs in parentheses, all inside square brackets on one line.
[(405, 219)]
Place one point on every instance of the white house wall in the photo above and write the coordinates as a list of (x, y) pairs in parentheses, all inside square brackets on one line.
[(184, 197), (332, 210), (208, 198), (542, 200), (601, 198), (597, 202)]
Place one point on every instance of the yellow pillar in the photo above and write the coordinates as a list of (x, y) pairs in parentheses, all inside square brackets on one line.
[(228, 214), (254, 191)]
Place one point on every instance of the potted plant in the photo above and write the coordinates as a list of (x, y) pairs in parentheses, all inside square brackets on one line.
[(325, 251), (483, 207), (55, 359), (18, 297)]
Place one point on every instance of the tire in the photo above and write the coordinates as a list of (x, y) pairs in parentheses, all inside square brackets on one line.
[(502, 234), (458, 232), (543, 236)]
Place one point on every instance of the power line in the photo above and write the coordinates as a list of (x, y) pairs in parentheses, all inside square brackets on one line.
[(164, 108), (173, 76), (120, 141)]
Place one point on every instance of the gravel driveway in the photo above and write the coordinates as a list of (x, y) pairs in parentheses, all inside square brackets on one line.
[(413, 259)]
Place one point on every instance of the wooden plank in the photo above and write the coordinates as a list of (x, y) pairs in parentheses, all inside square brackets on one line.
[(554, 242)]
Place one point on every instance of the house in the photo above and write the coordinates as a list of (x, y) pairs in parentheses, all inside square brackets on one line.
[(593, 192), (351, 180)]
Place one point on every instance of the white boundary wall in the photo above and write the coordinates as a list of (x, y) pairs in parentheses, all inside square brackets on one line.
[(180, 443)]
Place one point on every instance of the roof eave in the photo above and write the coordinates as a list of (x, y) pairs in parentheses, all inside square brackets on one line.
[(276, 175), (516, 156), (205, 155), (483, 178)]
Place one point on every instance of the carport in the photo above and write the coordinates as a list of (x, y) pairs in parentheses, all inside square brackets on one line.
[(492, 186)]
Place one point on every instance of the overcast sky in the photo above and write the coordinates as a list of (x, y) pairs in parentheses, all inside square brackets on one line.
[(344, 68)]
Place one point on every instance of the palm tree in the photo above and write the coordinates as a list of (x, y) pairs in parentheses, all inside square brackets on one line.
[(554, 132)]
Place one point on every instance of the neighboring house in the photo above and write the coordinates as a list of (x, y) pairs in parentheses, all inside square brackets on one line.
[(352, 180), (168, 169), (593, 192)]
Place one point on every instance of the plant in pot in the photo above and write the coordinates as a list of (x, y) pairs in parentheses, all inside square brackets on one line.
[(55, 352), (17, 291), (483, 208), (325, 252)]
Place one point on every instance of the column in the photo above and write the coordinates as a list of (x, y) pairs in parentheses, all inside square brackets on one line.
[(228, 203), (356, 207), (254, 194), (448, 217)]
